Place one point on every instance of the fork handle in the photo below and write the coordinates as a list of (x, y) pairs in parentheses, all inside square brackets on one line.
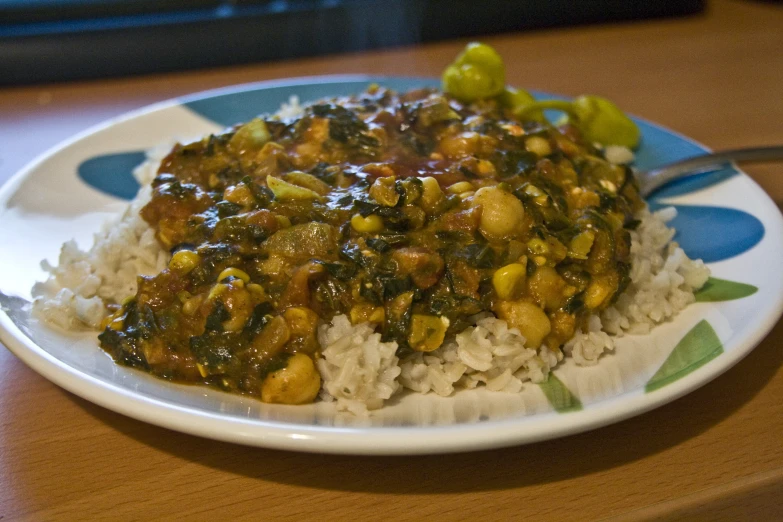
[(653, 179)]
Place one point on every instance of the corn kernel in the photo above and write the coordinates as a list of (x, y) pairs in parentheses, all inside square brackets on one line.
[(538, 246), (378, 315), (114, 321), (203, 371), (283, 221), (542, 200), (234, 272), (581, 244), (486, 168), (509, 281), (184, 261), (360, 313), (538, 145), (367, 225), (117, 324), (240, 195), (608, 185), (460, 187), (533, 191)]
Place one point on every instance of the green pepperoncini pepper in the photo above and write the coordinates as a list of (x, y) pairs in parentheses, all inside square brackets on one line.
[(478, 72), (599, 119)]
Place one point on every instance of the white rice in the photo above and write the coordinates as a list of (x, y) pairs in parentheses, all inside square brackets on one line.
[(618, 154), (83, 282), (359, 371)]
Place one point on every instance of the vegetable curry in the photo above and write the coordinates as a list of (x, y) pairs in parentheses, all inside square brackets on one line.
[(413, 211)]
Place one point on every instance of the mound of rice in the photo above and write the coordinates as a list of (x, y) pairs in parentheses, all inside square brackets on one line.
[(359, 371), (79, 287)]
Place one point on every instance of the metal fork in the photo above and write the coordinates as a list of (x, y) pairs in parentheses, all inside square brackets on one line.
[(653, 179)]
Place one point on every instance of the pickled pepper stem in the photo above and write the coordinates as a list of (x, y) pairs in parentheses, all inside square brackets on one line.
[(557, 105)]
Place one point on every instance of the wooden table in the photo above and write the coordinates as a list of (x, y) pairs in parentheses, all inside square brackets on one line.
[(714, 454)]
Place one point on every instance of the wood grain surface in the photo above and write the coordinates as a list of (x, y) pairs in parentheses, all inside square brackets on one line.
[(716, 454)]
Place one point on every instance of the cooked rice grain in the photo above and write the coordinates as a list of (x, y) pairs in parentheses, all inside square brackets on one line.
[(81, 285)]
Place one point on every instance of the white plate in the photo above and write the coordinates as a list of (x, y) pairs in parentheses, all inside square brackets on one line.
[(724, 217)]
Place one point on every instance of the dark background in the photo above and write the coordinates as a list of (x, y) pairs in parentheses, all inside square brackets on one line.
[(55, 40)]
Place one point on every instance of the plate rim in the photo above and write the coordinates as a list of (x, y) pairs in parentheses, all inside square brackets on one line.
[(353, 440)]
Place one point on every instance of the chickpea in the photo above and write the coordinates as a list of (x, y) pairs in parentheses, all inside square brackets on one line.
[(529, 319), (547, 288), (431, 194), (538, 145), (461, 145), (502, 214), (297, 383)]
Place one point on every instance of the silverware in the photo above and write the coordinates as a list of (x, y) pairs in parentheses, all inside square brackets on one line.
[(653, 179)]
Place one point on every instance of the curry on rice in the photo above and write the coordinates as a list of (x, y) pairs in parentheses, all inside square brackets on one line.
[(409, 211)]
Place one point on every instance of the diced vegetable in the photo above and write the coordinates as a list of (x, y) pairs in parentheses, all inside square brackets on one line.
[(509, 281), (285, 191), (427, 332), (303, 241), (308, 181), (249, 137)]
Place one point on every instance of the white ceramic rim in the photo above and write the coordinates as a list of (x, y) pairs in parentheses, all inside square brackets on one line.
[(356, 441)]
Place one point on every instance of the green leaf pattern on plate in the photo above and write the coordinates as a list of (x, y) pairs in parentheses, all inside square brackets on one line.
[(722, 290), (559, 396), (697, 348)]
